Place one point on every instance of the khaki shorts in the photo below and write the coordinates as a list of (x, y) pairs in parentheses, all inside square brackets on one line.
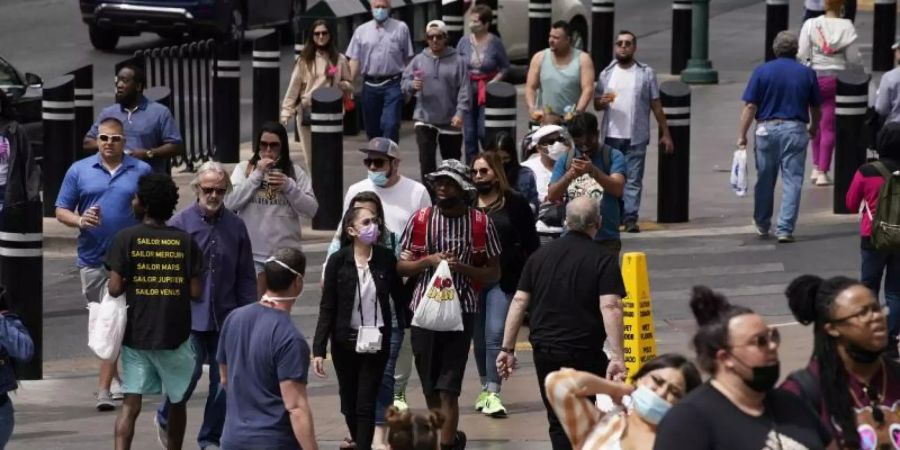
[(93, 280)]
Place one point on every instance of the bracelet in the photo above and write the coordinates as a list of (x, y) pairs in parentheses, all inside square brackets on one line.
[(511, 351)]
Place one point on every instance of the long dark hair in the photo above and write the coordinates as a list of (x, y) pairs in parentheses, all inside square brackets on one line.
[(810, 299), (505, 142), (363, 197), (713, 314), (675, 361), (308, 54), (284, 159)]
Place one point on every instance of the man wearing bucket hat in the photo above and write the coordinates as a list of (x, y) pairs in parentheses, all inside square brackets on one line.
[(439, 79), (467, 239)]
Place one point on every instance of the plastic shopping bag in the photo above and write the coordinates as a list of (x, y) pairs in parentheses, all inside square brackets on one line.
[(739, 172), (106, 325), (439, 309)]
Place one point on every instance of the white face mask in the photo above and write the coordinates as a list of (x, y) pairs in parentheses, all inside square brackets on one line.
[(557, 150), (267, 299)]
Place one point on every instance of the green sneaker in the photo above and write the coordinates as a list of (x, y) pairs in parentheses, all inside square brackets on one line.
[(400, 401), (482, 399), (493, 406)]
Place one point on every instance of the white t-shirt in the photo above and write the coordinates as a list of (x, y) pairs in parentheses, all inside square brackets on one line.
[(541, 175), (400, 201), (621, 110), (371, 313)]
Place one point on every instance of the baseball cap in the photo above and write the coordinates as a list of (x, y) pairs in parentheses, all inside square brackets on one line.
[(438, 24), (456, 170), (382, 146)]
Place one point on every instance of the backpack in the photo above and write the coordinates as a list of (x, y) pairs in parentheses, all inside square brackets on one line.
[(886, 220), (420, 244)]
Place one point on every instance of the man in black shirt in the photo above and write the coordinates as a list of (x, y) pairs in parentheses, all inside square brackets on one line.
[(573, 292), (158, 269)]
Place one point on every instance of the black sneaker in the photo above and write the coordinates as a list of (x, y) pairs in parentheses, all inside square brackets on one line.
[(786, 238), (632, 227), (460, 443)]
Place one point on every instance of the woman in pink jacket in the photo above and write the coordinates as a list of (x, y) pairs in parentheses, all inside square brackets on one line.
[(863, 193)]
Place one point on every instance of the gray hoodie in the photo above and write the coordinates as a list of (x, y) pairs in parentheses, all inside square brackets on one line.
[(445, 92)]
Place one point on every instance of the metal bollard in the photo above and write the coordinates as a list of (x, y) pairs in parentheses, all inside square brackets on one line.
[(850, 148), (452, 14), (84, 99), (539, 17), (673, 200), (60, 143), (266, 68), (776, 22), (499, 110), (883, 35), (327, 156), (681, 34), (603, 18), (227, 102), (22, 272)]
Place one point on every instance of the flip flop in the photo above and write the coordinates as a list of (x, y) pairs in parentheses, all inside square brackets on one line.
[(347, 443)]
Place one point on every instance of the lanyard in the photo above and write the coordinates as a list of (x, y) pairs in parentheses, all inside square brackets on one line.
[(359, 282)]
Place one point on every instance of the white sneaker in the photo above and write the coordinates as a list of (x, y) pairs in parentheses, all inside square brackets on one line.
[(105, 402), (823, 179), (115, 390), (815, 175)]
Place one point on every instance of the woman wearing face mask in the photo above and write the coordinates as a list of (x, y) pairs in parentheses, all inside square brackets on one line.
[(659, 384), (521, 179), (549, 143), (737, 409), (850, 380), (361, 282), (487, 63), (319, 65), (515, 226)]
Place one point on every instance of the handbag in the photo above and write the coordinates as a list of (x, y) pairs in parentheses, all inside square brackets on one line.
[(106, 325), (439, 308)]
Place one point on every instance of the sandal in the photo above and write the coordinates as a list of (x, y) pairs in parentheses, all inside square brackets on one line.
[(347, 443)]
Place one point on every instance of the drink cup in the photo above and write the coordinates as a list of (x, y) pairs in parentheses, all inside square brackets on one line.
[(96, 211)]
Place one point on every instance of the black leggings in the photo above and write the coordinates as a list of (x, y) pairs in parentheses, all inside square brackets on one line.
[(359, 377), (429, 140)]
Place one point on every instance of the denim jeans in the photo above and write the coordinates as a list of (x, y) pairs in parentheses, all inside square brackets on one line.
[(386, 391), (7, 421), (488, 335), (780, 146), (382, 106), (403, 365), (205, 345), (874, 265), (473, 129), (635, 157)]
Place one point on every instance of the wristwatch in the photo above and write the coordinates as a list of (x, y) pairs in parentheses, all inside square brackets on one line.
[(511, 351), (149, 154)]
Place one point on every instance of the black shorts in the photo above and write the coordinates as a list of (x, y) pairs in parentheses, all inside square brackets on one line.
[(441, 356)]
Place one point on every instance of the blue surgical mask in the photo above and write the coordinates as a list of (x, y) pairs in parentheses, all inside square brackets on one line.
[(380, 14), (379, 179), (650, 406)]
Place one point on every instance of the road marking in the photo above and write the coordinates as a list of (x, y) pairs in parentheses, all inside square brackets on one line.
[(707, 250), (709, 271), (741, 291)]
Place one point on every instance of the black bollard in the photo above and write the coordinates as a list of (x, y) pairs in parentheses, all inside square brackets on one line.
[(499, 110), (603, 20), (850, 10), (266, 68), (227, 101), (883, 35), (682, 10), (776, 22), (84, 99), (21, 272), (452, 14), (673, 200), (850, 148), (539, 17), (60, 143), (327, 156)]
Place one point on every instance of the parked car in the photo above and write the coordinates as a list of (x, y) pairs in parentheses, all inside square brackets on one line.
[(107, 20), (25, 92)]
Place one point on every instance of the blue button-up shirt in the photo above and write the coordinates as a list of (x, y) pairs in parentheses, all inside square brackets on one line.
[(149, 126), (88, 183), (646, 90), (383, 49), (230, 278)]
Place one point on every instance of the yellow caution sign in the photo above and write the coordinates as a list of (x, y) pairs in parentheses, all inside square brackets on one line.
[(640, 341)]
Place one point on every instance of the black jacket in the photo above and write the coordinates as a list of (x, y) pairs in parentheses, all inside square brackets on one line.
[(24, 180), (339, 295)]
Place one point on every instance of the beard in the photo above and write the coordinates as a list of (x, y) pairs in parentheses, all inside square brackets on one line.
[(624, 59)]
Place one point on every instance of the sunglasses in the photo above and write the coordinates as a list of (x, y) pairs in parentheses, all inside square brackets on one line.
[(264, 144), (210, 190), (436, 37), (766, 340), (865, 313), (376, 163), (482, 171), (624, 43), (114, 138), (320, 33), (551, 141)]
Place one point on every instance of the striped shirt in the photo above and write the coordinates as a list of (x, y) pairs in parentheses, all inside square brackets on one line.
[(588, 427), (454, 236)]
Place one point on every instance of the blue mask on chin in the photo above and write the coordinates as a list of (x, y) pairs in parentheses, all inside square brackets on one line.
[(379, 179), (648, 405)]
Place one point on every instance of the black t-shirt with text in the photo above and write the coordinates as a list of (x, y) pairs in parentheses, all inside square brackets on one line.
[(706, 420), (157, 264)]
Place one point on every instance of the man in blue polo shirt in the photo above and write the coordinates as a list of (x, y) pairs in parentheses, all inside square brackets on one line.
[(781, 95), (95, 197), (151, 132), (593, 172)]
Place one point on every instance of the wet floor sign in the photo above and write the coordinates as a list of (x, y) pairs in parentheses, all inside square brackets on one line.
[(640, 342)]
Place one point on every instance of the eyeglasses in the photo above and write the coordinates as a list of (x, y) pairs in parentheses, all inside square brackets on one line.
[(264, 144), (114, 138), (482, 171), (436, 37), (376, 163), (210, 190), (320, 33), (865, 313), (772, 337), (624, 43), (551, 141)]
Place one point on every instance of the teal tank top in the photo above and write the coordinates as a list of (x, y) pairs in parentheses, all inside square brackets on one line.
[(560, 88)]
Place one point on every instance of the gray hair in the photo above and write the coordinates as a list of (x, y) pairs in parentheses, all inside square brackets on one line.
[(582, 213), (786, 44), (212, 166)]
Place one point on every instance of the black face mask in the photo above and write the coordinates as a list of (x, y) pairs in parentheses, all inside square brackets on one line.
[(861, 355), (483, 187), (449, 203), (764, 377)]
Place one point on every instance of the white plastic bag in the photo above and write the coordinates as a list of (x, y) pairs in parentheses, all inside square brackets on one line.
[(739, 172), (106, 325), (439, 309)]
